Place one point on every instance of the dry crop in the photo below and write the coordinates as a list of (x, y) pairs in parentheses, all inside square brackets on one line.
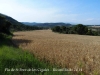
[(65, 50)]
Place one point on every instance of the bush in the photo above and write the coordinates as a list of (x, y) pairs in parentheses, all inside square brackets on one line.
[(95, 33), (80, 29), (4, 25), (56, 29), (89, 32), (71, 32)]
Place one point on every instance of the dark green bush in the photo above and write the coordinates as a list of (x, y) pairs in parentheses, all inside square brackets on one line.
[(77, 29), (80, 29), (4, 25), (89, 32)]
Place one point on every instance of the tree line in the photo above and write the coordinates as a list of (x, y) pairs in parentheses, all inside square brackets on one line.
[(24, 27), (77, 29)]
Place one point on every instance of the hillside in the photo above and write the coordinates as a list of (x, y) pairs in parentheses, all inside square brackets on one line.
[(10, 19), (30, 23), (22, 25), (17, 26), (46, 24)]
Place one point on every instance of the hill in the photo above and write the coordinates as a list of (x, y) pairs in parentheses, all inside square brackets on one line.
[(30, 23), (22, 25), (46, 24), (10, 19), (17, 26)]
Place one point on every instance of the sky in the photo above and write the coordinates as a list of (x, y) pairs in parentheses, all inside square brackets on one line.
[(41, 11)]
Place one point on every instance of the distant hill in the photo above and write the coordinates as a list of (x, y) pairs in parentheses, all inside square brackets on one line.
[(18, 26), (10, 19), (30, 23), (46, 24), (15, 22)]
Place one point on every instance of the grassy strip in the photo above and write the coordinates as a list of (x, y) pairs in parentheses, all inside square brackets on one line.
[(14, 61)]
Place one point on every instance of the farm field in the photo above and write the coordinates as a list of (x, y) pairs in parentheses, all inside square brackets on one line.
[(66, 50)]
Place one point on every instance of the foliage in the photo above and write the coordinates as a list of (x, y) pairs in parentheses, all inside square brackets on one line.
[(24, 28), (13, 59), (89, 32), (80, 29), (77, 29), (8, 24), (4, 25), (56, 29)]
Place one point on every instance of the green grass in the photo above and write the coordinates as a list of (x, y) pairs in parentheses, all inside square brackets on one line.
[(12, 58)]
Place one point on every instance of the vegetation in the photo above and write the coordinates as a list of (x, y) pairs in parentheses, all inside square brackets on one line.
[(15, 61), (24, 28), (4, 25), (8, 24), (64, 50), (56, 51), (78, 29)]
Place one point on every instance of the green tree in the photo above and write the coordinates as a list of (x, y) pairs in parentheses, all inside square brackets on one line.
[(80, 29), (63, 29), (95, 33), (89, 32), (4, 25), (56, 29)]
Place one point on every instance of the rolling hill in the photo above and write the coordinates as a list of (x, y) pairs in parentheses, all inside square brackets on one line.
[(18, 26), (46, 24), (10, 19), (15, 22)]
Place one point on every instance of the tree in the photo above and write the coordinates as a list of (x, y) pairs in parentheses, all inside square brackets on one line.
[(4, 25), (56, 29), (89, 32), (63, 29), (80, 29)]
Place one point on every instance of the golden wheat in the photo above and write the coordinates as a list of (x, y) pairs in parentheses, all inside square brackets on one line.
[(65, 50)]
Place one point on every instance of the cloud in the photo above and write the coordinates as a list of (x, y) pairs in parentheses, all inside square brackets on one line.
[(22, 12), (9, 6)]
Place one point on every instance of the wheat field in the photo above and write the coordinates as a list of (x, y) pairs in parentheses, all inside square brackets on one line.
[(65, 50)]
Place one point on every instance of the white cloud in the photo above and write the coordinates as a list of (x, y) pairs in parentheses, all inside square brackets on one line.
[(24, 13)]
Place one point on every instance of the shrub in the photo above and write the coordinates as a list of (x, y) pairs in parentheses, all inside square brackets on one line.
[(89, 32), (4, 25), (80, 29), (56, 29)]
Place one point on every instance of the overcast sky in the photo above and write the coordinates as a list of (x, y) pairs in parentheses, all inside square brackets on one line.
[(68, 11)]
